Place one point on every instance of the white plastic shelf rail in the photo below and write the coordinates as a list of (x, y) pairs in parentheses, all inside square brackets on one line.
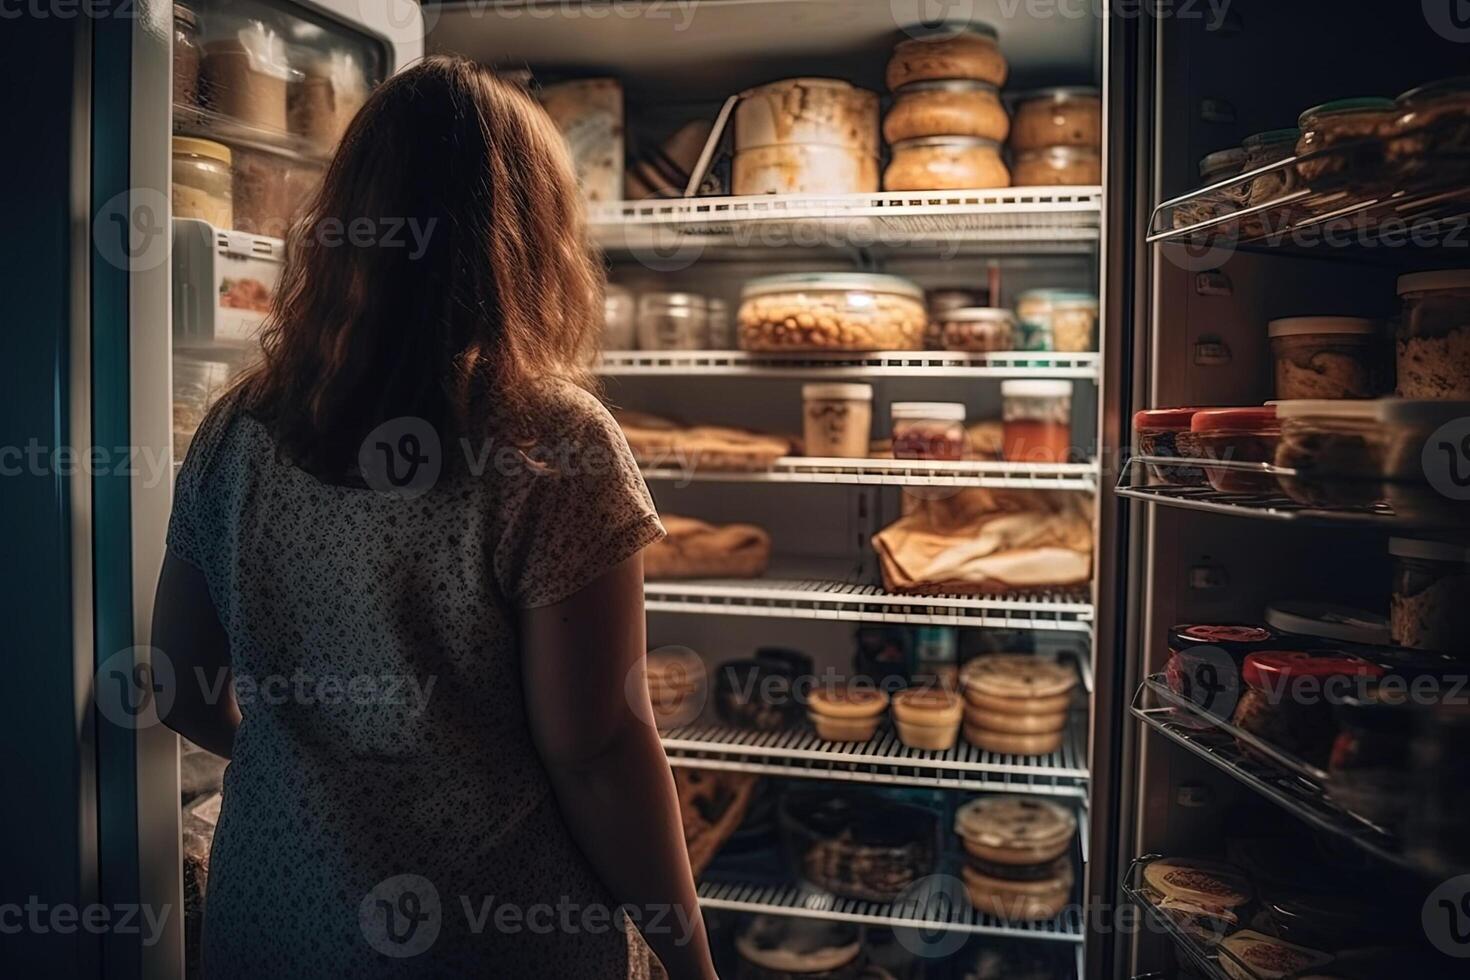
[(876, 364), (895, 472)]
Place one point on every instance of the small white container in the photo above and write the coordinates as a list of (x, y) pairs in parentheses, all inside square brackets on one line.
[(837, 419)]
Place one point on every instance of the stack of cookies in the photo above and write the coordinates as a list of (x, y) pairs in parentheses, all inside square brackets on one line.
[(678, 686), (1015, 703), (1018, 865)]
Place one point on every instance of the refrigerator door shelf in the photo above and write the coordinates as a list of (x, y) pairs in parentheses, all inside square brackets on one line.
[(223, 283)]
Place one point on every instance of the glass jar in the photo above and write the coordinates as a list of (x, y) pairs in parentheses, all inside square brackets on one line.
[(246, 73), (1037, 416), (1074, 322), (1214, 168), (969, 51), (618, 318), (1066, 116), (1433, 349), (1165, 432), (1287, 699), (928, 430), (837, 419), (941, 163), (1262, 150), (673, 321), (1342, 141), (946, 107), (1429, 142), (978, 329), (186, 56), (941, 301), (1369, 770), (203, 181), (831, 311), (1329, 357), (1430, 609), (1037, 311), (1238, 435), (1054, 166), (719, 324), (325, 92)]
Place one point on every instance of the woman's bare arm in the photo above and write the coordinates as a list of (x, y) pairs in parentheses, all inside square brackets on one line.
[(583, 661), (187, 630)]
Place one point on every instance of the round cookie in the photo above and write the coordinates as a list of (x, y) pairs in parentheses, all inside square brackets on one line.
[(1014, 830)]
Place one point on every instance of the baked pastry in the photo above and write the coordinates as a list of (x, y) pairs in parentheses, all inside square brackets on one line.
[(1014, 829), (927, 717), (780, 947), (1250, 955), (659, 442), (847, 714), (1016, 703), (678, 685), (1019, 893), (694, 549), (856, 844)]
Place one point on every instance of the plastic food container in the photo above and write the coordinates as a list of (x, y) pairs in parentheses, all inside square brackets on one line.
[(1205, 660), (270, 190), (1262, 150), (203, 182), (1342, 141), (589, 114), (773, 947), (1430, 608), (1328, 625), (831, 311), (941, 301), (1065, 116), (857, 845), (928, 430), (1053, 166), (948, 51), (928, 717), (246, 73), (1330, 357), (1037, 416), (1429, 144), (945, 163), (806, 136), (946, 107), (979, 329), (1034, 318), (672, 321), (186, 56), (619, 315), (1433, 348), (1336, 450), (1240, 435), (1073, 322), (325, 93), (1288, 695), (837, 419), (1214, 168), (1166, 432), (847, 714)]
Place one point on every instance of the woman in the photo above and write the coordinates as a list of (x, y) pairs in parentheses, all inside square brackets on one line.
[(408, 542)]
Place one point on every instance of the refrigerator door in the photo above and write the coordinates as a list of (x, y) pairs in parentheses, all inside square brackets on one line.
[(131, 120)]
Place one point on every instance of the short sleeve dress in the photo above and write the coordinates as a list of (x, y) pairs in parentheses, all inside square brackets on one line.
[(385, 813)]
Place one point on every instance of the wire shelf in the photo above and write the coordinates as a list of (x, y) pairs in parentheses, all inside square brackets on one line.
[(1205, 958), (885, 760), (848, 364), (1066, 611), (938, 903), (1291, 784), (896, 472)]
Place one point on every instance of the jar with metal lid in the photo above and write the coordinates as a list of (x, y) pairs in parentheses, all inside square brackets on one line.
[(1056, 166), (1263, 150), (1330, 357), (978, 329), (203, 181), (1036, 318), (1037, 417), (928, 430), (1062, 116), (946, 107), (952, 50), (186, 56), (831, 311), (1429, 142), (1430, 607), (942, 163), (1433, 348), (619, 318), (672, 321), (806, 136), (837, 419), (1342, 141), (1210, 204)]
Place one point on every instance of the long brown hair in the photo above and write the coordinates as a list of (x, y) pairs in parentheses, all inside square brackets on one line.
[(501, 294)]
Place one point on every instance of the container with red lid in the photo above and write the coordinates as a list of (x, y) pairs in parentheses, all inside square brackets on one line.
[(1205, 658), (1238, 435), (1288, 697), (1166, 432)]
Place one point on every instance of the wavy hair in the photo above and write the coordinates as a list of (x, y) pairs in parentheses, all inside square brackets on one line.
[(499, 294)]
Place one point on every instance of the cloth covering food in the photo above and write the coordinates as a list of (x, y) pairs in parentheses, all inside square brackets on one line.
[(694, 549), (662, 442)]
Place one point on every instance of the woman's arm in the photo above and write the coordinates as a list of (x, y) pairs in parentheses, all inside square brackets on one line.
[(187, 630), (582, 663)]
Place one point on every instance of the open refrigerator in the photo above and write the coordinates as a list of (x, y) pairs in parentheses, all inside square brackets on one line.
[(1159, 341)]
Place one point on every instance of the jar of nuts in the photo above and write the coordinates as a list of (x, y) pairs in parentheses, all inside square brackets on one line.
[(831, 311)]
